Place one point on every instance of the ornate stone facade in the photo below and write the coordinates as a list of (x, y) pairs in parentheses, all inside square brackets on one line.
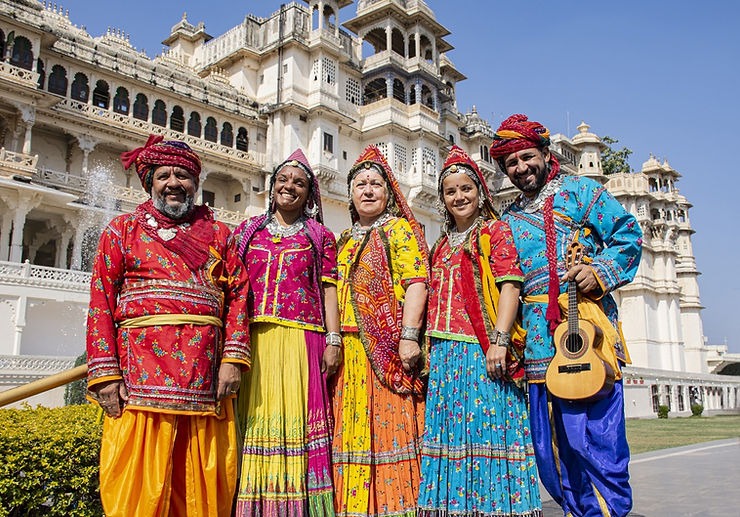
[(70, 103)]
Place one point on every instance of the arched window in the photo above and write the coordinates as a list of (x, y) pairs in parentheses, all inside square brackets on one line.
[(242, 139), (42, 73), (101, 95), (22, 54), (227, 135), (399, 92), (211, 130), (412, 95), (177, 119), (159, 113), (2, 45), (426, 97), (141, 107), (194, 126), (120, 101), (374, 91), (58, 80), (397, 42), (80, 88)]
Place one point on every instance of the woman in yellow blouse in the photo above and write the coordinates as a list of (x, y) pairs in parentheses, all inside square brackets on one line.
[(378, 392)]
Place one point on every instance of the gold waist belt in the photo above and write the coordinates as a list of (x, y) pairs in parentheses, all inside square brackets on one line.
[(170, 319)]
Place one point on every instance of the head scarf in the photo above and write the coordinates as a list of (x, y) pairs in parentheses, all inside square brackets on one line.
[(313, 203), (372, 158), (517, 133), (514, 134), (157, 152), (459, 161)]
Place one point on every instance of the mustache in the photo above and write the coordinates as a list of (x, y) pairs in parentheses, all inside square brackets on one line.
[(176, 190)]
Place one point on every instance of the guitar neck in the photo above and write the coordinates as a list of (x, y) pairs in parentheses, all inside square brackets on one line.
[(572, 308)]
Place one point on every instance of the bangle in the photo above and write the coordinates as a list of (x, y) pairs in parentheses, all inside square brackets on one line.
[(500, 338), (410, 333), (334, 339)]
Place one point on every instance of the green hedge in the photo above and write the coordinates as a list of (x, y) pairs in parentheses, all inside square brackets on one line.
[(49, 461)]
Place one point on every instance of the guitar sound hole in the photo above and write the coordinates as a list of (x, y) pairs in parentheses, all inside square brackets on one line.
[(574, 343)]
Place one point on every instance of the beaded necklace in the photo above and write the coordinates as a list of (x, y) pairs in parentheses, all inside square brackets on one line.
[(278, 231), (531, 205), (358, 232), (456, 238)]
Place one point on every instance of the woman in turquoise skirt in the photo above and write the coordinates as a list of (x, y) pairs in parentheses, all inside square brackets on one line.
[(477, 455)]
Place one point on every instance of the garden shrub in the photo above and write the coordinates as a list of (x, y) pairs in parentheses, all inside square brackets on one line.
[(74, 392), (697, 409), (663, 411), (49, 461)]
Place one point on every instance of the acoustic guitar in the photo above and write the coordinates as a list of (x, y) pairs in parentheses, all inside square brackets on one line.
[(578, 371)]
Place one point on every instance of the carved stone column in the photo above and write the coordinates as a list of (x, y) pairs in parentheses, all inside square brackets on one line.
[(60, 260), (28, 116), (5, 230), (19, 209), (389, 85), (87, 145)]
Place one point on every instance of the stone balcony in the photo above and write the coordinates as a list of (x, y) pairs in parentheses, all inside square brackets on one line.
[(19, 76), (44, 282), (17, 164), (200, 145)]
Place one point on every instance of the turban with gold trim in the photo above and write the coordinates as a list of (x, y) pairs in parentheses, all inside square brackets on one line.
[(157, 152), (517, 133)]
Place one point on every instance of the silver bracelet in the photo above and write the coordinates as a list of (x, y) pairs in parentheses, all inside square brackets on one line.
[(410, 333), (334, 339), (500, 338)]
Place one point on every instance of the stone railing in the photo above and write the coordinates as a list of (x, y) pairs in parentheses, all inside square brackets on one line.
[(199, 144), (58, 179), (17, 74), (135, 196), (17, 163), (30, 275), (16, 370), (229, 217), (32, 363)]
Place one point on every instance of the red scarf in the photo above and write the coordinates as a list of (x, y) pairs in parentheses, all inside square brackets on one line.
[(191, 243)]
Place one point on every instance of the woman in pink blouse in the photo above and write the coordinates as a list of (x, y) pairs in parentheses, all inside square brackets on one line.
[(283, 405)]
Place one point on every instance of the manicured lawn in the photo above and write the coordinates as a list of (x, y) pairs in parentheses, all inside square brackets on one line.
[(660, 433)]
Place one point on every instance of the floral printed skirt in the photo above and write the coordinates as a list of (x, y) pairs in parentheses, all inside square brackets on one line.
[(377, 441), (477, 455)]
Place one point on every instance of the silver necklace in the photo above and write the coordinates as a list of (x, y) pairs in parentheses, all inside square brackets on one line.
[(166, 234), (531, 206), (456, 238), (278, 231), (358, 232)]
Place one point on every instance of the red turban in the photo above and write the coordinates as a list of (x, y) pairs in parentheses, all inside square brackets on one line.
[(517, 133), (157, 152), (514, 134)]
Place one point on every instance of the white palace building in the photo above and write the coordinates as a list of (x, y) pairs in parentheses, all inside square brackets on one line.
[(71, 102)]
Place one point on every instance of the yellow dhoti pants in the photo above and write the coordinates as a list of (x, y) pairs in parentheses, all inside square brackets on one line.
[(159, 464)]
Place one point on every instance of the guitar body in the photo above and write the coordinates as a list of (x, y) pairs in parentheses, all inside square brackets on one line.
[(577, 372)]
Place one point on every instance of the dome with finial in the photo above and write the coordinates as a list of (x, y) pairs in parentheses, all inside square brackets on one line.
[(586, 137)]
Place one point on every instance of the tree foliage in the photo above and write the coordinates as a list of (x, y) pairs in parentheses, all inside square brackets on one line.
[(615, 161)]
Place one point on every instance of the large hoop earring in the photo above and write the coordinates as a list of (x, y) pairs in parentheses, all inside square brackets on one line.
[(311, 211)]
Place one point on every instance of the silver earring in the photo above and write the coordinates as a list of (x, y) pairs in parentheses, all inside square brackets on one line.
[(481, 202), (311, 211), (440, 207)]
